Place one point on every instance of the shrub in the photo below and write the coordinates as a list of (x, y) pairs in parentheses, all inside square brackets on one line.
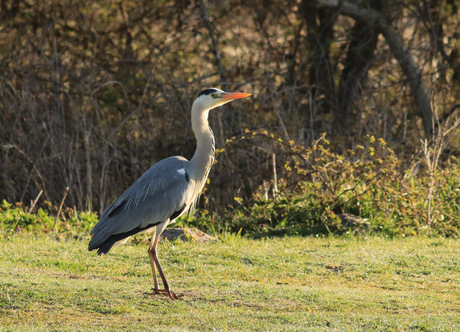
[(317, 187), (16, 218)]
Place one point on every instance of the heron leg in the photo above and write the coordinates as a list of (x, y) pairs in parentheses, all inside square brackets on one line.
[(154, 262)]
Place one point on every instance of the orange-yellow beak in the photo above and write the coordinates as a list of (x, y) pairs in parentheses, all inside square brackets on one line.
[(234, 95)]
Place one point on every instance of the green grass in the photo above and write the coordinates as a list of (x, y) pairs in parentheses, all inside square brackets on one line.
[(286, 284)]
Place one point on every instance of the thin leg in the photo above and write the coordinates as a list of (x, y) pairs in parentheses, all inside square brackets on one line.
[(152, 264), (155, 262)]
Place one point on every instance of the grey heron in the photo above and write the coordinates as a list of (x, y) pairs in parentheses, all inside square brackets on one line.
[(164, 192)]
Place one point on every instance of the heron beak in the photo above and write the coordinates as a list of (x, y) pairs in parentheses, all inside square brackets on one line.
[(234, 95)]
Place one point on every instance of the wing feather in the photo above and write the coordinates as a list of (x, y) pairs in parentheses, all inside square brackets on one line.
[(157, 195)]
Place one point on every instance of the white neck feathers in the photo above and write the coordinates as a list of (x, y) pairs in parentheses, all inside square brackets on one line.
[(203, 158)]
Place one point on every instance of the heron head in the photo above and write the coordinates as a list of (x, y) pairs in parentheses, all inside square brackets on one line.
[(213, 97)]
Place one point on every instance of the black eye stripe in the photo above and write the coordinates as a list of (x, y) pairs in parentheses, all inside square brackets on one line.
[(207, 92)]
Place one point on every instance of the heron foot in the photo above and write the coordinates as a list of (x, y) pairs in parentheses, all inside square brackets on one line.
[(167, 292)]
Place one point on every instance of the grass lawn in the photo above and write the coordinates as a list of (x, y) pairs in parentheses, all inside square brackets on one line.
[(290, 283)]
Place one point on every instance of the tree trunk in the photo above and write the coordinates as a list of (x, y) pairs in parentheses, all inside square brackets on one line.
[(363, 41), (320, 27), (398, 49)]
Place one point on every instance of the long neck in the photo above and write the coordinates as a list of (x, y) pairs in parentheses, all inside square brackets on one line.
[(203, 158)]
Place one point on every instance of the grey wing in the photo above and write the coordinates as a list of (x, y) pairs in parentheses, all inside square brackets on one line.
[(164, 191)]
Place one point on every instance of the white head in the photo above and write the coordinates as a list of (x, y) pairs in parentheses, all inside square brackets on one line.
[(213, 97)]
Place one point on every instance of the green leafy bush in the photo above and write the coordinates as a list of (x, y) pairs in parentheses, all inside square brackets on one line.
[(319, 187), (16, 218)]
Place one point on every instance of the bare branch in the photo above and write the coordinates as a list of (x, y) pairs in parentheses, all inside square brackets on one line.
[(208, 26)]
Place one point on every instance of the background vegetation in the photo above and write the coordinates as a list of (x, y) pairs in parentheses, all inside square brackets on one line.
[(93, 93)]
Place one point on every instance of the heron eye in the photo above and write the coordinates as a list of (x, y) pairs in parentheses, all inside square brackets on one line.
[(214, 95)]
